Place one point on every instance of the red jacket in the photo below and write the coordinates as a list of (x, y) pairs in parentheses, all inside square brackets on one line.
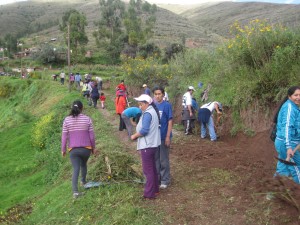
[(102, 98), (120, 103)]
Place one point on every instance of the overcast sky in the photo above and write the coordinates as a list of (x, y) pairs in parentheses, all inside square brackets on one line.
[(188, 2)]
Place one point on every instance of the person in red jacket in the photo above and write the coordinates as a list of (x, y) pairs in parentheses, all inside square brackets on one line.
[(102, 99), (120, 103), (122, 87)]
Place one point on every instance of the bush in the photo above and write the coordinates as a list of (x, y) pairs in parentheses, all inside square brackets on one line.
[(149, 70)]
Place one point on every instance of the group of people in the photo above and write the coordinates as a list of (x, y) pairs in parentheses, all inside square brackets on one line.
[(91, 90), (205, 115), (153, 119)]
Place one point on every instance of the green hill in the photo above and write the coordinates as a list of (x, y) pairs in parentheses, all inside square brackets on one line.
[(218, 18), (39, 20)]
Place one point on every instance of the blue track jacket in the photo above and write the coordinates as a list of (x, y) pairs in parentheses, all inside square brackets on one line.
[(288, 124)]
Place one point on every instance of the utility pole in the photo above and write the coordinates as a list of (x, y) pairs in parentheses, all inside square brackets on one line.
[(69, 57)]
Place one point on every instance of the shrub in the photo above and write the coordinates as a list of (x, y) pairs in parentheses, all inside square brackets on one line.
[(41, 131), (148, 70)]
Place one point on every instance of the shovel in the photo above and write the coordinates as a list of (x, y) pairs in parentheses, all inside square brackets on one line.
[(287, 162)]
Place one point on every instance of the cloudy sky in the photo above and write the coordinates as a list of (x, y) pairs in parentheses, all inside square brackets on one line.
[(188, 2)]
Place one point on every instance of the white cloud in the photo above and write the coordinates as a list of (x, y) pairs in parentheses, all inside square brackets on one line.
[(4, 2), (184, 2)]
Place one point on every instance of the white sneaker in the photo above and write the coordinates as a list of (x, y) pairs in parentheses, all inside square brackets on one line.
[(163, 186), (77, 194)]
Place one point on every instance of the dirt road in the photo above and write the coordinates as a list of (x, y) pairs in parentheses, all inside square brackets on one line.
[(223, 182)]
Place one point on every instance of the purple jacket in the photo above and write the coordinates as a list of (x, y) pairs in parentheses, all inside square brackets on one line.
[(77, 132)]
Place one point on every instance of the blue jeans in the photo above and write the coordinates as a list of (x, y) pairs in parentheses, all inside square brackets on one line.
[(284, 169), (211, 130), (163, 164)]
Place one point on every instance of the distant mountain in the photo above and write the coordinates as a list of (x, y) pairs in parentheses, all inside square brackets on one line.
[(218, 18), (41, 18), (273, 1)]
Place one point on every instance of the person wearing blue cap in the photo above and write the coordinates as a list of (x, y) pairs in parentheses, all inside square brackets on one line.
[(205, 118)]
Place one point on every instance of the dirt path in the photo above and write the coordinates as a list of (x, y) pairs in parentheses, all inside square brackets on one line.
[(222, 182)]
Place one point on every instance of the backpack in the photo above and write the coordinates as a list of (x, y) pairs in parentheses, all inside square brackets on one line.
[(273, 132)]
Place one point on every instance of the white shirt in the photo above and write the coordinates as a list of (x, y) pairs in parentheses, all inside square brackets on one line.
[(210, 106), (186, 99), (166, 97)]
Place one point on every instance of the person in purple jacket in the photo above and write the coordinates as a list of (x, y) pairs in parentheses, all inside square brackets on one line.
[(78, 132)]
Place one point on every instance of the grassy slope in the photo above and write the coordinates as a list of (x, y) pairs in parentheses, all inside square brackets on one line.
[(218, 17), (23, 178), (20, 177), (169, 26)]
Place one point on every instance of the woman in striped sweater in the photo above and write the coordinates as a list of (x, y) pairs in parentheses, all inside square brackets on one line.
[(78, 132)]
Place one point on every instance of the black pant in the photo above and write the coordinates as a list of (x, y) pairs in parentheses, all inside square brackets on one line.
[(95, 99), (122, 125), (79, 158)]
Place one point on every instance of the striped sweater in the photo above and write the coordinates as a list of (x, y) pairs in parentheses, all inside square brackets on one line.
[(78, 132)]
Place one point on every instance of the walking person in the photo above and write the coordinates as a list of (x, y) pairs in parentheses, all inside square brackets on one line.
[(99, 84), (78, 132), (187, 112), (148, 135), (77, 80), (131, 115), (71, 79), (205, 118), (122, 86), (94, 94), (287, 119), (102, 100), (62, 76), (147, 90), (166, 124)]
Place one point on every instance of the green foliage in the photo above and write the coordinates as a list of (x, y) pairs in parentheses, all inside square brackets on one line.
[(271, 52), (149, 70), (50, 54), (41, 130), (76, 22), (172, 50)]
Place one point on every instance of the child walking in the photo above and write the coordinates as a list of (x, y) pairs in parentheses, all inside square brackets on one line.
[(102, 100)]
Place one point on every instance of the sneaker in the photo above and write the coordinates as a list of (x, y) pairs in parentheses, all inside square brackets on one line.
[(77, 194), (163, 186), (202, 137), (269, 196)]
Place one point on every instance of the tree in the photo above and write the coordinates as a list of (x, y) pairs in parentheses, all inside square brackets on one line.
[(110, 34), (121, 30), (172, 50), (10, 43), (77, 23), (51, 54), (139, 22)]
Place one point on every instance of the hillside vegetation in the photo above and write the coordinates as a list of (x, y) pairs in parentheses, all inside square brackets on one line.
[(218, 18), (35, 181), (39, 20)]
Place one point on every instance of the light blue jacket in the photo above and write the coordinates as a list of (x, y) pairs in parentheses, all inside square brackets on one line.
[(288, 124)]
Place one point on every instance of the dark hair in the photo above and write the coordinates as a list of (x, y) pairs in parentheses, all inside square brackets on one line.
[(156, 110), (159, 88), (76, 108), (290, 92), (102, 93)]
